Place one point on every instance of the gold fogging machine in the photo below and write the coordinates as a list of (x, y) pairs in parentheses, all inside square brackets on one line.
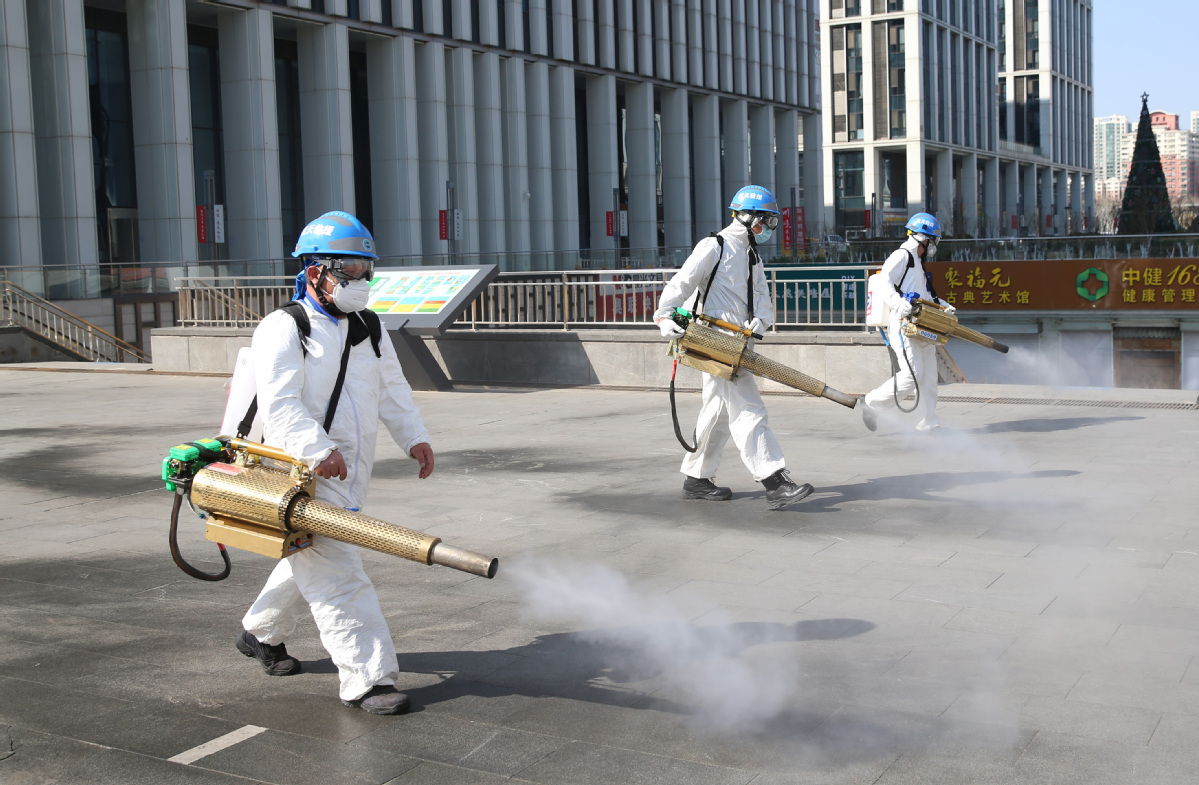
[(257, 498), (711, 350), (931, 322)]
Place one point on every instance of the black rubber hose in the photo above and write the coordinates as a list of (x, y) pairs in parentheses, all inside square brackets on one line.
[(674, 414), (178, 557)]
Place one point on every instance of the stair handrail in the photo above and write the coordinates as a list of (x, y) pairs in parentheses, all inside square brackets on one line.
[(238, 312), (97, 338)]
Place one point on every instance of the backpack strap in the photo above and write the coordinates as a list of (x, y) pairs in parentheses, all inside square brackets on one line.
[(928, 277), (699, 305)]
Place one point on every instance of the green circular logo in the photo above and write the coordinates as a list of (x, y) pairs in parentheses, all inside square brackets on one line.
[(1085, 276)]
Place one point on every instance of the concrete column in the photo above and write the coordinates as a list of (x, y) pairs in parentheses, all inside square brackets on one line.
[(606, 27), (739, 51), (460, 20), (489, 146), (563, 21), (678, 40), (250, 133), (514, 27), (1011, 204), (564, 158), (736, 147), (662, 54), (710, 197), (695, 43), (626, 43), (645, 38), (676, 169), (1088, 191), (711, 57), (464, 159), (1030, 199), (1047, 191), (601, 156), (1061, 189), (970, 193), (541, 200), (433, 142), (944, 190), (917, 176), (792, 46), (162, 130), (489, 24), (641, 173), (538, 33), (724, 29), (586, 27), (65, 196), (327, 141), (20, 232), (993, 225), (395, 154), (518, 129), (786, 160), (815, 197), (753, 57), (762, 149)]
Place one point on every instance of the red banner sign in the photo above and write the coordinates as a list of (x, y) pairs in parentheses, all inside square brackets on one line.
[(201, 224), (786, 228), (443, 224), (610, 224)]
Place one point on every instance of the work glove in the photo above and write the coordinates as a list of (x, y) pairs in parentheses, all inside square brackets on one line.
[(755, 325), (904, 309), (949, 309), (669, 329)]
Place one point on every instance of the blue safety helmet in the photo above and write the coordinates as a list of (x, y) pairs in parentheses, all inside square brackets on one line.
[(923, 223), (754, 198), (336, 233)]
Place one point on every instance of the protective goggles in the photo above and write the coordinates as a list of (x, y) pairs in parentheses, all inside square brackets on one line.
[(769, 220), (346, 268)]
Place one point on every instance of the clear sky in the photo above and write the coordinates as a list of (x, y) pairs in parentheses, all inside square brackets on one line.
[(1146, 46)]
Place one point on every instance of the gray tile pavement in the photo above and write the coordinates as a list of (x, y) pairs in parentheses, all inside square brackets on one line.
[(1013, 600)]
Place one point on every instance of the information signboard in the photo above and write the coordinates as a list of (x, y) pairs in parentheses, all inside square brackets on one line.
[(426, 300)]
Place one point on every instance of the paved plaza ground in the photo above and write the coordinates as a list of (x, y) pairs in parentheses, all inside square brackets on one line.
[(1012, 600)]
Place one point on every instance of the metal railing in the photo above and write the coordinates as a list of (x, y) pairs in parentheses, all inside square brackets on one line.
[(804, 297), (73, 282), (74, 336)]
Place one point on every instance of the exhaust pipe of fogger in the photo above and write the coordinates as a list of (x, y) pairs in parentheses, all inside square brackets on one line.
[(251, 505), (929, 316)]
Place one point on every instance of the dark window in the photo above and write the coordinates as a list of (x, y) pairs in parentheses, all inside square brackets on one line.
[(110, 103), (291, 152), (353, 9), (849, 198), (360, 131), (204, 75)]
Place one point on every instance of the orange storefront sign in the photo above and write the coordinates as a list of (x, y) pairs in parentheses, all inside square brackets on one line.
[(1070, 284)]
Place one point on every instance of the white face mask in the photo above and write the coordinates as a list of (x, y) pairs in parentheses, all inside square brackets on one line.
[(351, 296)]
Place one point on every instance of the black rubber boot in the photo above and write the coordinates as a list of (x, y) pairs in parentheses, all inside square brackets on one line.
[(705, 489), (382, 699), (781, 490), (274, 659)]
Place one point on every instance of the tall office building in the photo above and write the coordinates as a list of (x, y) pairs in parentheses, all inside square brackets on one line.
[(976, 110), (131, 120)]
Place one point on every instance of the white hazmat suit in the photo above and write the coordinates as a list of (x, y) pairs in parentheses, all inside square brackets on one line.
[(921, 355), (728, 407), (327, 578)]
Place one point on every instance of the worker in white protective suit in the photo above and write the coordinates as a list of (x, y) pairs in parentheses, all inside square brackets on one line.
[(724, 277), (916, 359), (295, 379)]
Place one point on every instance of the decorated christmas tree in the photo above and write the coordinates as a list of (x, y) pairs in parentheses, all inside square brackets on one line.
[(1146, 207)]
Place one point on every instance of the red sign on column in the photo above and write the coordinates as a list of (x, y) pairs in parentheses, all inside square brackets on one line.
[(610, 225), (201, 224), (786, 228), (443, 225), (801, 230), (1015, 222)]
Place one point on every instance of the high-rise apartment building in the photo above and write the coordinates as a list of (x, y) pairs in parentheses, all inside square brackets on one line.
[(1111, 165), (976, 110), (535, 120)]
